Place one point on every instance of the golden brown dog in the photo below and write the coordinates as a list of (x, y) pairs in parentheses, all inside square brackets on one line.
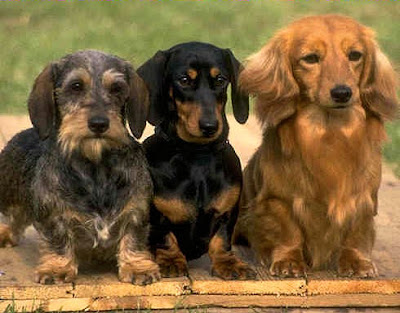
[(324, 90)]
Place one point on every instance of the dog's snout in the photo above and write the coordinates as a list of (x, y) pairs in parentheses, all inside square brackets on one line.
[(341, 94), (99, 124), (208, 127)]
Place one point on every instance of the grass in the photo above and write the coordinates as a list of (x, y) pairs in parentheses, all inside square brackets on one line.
[(35, 32)]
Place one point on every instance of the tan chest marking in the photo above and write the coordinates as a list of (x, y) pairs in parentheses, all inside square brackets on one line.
[(176, 210), (225, 201)]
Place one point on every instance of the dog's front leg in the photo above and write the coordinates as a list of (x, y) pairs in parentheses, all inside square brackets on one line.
[(355, 255), (225, 264), (135, 262), (277, 238), (57, 263), (170, 258)]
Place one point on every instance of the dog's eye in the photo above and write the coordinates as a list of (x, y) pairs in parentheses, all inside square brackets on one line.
[(116, 88), (311, 58), (76, 86), (220, 80), (184, 80), (354, 55)]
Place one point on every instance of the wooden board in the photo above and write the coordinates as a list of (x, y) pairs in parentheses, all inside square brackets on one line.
[(99, 289)]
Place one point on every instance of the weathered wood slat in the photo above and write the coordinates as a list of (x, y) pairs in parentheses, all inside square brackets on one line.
[(224, 301)]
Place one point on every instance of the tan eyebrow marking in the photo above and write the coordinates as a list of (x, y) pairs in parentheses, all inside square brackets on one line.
[(192, 73), (214, 71)]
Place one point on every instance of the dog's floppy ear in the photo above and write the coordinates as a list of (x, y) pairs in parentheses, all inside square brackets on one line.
[(137, 104), (41, 103), (378, 81), (268, 75), (240, 99), (152, 72)]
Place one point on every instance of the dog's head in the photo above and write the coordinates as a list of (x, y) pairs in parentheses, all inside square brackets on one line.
[(188, 86), (85, 98), (329, 61)]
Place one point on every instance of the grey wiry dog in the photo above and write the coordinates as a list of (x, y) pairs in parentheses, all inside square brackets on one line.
[(78, 175)]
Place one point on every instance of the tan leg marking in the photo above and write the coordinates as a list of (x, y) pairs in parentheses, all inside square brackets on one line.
[(172, 262)]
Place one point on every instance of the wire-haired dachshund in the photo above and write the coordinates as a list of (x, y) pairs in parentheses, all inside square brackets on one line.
[(196, 173), (78, 175)]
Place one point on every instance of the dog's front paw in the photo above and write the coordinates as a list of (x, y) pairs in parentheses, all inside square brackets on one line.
[(56, 269), (138, 268), (232, 268), (352, 264), (174, 268), (129, 274), (171, 264), (6, 237), (288, 268)]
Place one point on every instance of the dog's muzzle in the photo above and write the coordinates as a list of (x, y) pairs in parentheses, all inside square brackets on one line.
[(98, 124), (341, 94), (209, 127)]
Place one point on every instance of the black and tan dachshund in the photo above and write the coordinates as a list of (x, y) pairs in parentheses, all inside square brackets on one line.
[(196, 173), (78, 175)]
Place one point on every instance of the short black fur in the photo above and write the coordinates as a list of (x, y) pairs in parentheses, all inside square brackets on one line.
[(196, 172)]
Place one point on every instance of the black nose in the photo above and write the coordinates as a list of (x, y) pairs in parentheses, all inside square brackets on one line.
[(208, 128), (98, 124), (341, 93)]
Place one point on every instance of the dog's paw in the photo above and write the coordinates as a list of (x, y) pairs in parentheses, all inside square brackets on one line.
[(288, 268), (351, 265), (129, 275), (6, 237), (174, 268), (233, 269), (57, 270)]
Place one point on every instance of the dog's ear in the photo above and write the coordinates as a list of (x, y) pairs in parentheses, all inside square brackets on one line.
[(153, 74), (378, 81), (137, 104), (240, 99), (41, 103), (268, 76)]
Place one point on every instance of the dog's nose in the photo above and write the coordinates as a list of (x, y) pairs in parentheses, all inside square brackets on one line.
[(98, 124), (208, 128), (341, 93)]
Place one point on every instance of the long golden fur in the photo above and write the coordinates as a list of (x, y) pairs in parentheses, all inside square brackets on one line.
[(310, 190)]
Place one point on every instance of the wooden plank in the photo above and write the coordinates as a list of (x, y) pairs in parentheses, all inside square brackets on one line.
[(353, 300), (178, 286), (327, 283), (196, 301)]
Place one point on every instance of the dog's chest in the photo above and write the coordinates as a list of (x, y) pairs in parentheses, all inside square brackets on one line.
[(84, 187), (193, 178)]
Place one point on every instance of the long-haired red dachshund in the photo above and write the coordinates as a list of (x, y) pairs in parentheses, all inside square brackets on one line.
[(323, 91)]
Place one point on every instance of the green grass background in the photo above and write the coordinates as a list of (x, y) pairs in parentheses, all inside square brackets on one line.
[(32, 33)]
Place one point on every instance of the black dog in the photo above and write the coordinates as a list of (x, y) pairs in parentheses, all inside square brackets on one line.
[(79, 176), (196, 173)]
